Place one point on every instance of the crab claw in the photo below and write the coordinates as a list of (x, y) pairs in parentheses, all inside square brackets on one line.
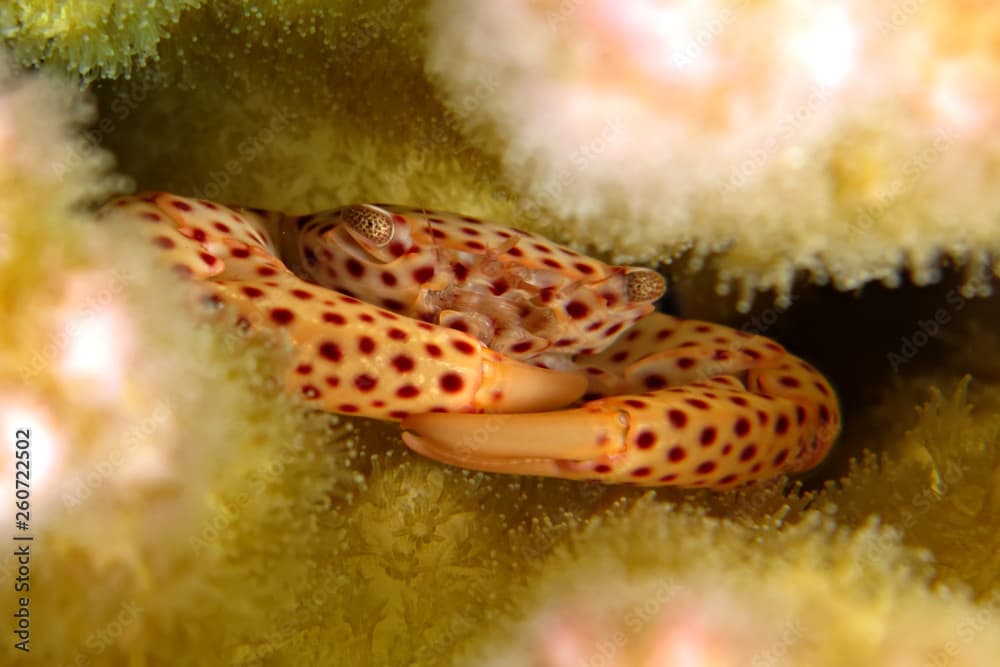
[(710, 434), (511, 386)]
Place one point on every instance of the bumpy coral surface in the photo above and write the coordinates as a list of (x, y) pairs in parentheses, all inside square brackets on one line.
[(847, 139), (187, 512)]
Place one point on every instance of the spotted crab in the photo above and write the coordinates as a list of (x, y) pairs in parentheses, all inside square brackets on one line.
[(496, 348)]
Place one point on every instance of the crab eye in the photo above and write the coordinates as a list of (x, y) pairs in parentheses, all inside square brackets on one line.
[(644, 285), (371, 224)]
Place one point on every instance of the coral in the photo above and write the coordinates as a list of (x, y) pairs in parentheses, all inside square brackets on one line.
[(94, 38), (122, 399), (853, 144), (226, 525), (809, 594)]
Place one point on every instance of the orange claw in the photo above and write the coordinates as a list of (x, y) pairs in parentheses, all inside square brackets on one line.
[(349, 356), (716, 433)]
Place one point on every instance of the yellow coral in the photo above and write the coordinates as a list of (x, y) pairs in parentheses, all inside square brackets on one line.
[(665, 586), (846, 139), (92, 37)]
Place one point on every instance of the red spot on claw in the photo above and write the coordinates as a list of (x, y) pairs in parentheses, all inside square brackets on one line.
[(365, 382), (402, 363), (645, 440), (452, 382), (407, 391), (282, 315), (366, 345), (577, 310), (331, 351)]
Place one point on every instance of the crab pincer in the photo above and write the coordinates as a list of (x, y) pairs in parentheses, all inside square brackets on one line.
[(713, 433)]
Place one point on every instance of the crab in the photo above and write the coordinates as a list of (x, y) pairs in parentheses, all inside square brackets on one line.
[(497, 349)]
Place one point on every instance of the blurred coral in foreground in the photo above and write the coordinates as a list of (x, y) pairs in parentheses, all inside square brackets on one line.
[(663, 586), (142, 428), (848, 139)]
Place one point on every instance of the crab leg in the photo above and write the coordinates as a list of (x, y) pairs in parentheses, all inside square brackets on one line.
[(348, 356), (716, 433)]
